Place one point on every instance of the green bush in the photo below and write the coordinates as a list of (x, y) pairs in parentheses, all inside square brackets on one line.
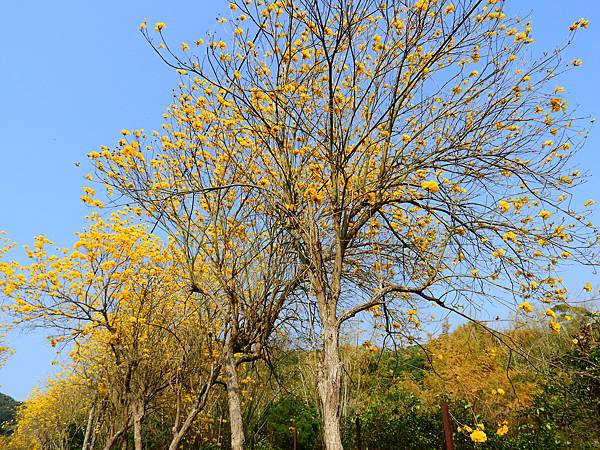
[(290, 412)]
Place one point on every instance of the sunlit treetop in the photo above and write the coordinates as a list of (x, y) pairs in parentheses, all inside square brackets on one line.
[(115, 270), (420, 144)]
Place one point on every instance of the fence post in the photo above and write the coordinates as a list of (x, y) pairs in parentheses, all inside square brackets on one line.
[(447, 427), (293, 437), (358, 434)]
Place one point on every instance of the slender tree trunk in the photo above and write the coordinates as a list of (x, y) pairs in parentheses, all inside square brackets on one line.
[(234, 402), (138, 416), (97, 416), (93, 441), (202, 398), (178, 435), (137, 434), (88, 428), (329, 385)]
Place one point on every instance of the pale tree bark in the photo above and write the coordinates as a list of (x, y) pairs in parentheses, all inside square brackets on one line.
[(329, 384), (138, 416), (236, 422), (112, 440), (179, 434), (200, 402), (88, 428)]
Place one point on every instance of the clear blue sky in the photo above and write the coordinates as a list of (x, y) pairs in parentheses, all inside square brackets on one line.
[(74, 73)]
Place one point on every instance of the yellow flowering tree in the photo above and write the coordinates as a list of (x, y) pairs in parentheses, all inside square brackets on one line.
[(47, 419), (410, 152), (119, 300), (233, 256)]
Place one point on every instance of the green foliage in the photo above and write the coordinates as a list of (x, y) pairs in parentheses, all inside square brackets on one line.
[(396, 396), (567, 408), (396, 421), (8, 411), (289, 412)]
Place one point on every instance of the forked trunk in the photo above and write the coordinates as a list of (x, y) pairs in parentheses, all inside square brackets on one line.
[(330, 372), (233, 399), (202, 398), (112, 440), (179, 434)]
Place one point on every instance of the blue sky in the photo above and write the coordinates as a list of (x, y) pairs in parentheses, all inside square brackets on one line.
[(74, 73)]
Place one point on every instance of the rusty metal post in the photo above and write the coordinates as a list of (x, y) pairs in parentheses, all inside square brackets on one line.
[(447, 427), (294, 437), (358, 434)]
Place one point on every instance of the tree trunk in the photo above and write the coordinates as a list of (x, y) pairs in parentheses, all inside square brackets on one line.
[(234, 402), (329, 384), (138, 415), (88, 428), (137, 434), (201, 399), (179, 434), (111, 441)]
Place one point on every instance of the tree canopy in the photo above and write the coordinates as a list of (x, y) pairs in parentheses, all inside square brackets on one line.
[(323, 161)]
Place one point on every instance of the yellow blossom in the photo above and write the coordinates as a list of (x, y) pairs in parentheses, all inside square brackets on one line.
[(421, 5), (581, 23), (499, 252), (503, 206), (430, 185), (478, 436), (502, 429), (312, 194), (545, 214), (526, 306)]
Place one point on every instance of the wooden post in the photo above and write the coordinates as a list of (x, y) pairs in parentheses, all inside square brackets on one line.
[(447, 427), (358, 434), (293, 435)]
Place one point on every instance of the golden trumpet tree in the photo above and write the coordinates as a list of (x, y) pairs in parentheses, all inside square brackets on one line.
[(119, 297), (411, 153), (47, 419), (236, 257)]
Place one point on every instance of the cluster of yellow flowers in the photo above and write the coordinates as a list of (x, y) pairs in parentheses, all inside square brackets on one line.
[(477, 435), (581, 23)]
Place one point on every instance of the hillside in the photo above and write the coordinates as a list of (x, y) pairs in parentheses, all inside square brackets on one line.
[(8, 407)]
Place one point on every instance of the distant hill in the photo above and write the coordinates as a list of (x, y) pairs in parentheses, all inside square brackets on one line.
[(8, 408)]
